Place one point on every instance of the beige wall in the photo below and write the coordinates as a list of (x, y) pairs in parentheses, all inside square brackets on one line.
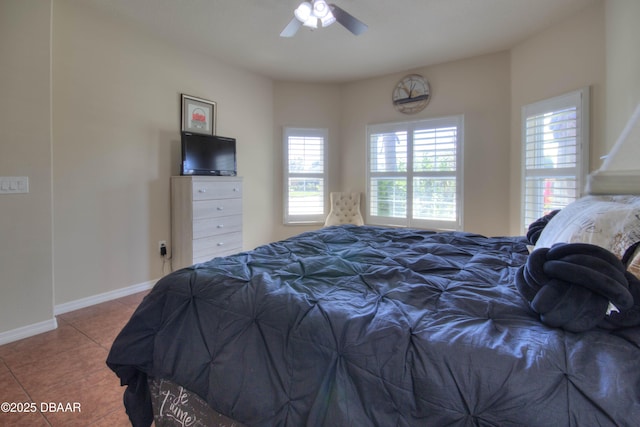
[(623, 79), (478, 88), (105, 195), (563, 58), (26, 280), (309, 106), (116, 144)]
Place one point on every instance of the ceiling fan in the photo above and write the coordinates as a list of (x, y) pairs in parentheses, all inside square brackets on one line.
[(319, 13)]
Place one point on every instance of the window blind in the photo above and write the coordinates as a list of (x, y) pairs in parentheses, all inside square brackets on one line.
[(555, 154), (414, 173), (305, 171), (435, 163)]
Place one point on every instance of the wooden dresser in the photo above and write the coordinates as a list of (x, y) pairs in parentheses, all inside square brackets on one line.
[(206, 218)]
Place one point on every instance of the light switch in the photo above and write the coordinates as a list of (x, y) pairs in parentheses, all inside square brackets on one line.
[(14, 184)]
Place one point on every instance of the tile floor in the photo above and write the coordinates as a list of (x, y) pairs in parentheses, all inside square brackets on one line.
[(67, 365)]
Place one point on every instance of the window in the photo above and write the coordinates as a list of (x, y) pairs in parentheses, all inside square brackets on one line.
[(555, 153), (415, 173), (305, 170)]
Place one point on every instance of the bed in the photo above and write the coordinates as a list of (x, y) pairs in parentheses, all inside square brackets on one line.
[(374, 326)]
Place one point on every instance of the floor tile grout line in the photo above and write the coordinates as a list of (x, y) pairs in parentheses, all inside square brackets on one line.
[(29, 396), (88, 337), (76, 324)]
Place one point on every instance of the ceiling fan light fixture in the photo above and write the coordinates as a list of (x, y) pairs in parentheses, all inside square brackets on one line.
[(318, 13), (311, 22), (303, 11), (321, 8), (328, 19)]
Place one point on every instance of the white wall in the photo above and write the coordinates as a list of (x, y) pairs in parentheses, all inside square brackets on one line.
[(116, 102), (26, 280), (563, 58)]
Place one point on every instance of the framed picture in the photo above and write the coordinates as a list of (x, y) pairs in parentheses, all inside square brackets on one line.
[(198, 115)]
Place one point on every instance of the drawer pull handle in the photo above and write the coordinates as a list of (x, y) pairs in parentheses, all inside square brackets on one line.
[(236, 189), (220, 208), (202, 190), (220, 225), (220, 243)]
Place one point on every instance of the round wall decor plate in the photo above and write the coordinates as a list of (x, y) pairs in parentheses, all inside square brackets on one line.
[(412, 94)]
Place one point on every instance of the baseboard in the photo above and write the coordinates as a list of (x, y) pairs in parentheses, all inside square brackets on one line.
[(100, 298), (28, 331), (51, 324)]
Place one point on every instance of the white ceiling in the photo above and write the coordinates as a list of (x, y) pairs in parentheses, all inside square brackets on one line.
[(402, 35)]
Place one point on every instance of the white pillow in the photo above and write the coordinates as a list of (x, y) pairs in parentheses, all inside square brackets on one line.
[(611, 222)]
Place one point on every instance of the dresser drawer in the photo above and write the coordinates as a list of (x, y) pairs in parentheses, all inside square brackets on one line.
[(216, 208), (219, 225), (219, 245), (207, 190), (206, 218)]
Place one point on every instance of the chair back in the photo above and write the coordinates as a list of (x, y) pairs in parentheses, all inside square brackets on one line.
[(345, 209)]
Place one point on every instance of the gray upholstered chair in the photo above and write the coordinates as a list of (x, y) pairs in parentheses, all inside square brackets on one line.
[(345, 209)]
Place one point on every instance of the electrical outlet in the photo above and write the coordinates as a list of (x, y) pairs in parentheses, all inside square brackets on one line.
[(162, 244)]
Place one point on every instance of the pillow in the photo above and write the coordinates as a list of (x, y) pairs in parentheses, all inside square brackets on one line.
[(536, 227), (633, 263), (611, 222), (578, 286)]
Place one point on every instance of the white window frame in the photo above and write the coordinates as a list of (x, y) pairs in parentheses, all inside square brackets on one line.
[(579, 100), (318, 218), (410, 127)]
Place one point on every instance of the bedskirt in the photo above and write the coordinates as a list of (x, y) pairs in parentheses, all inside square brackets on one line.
[(175, 406)]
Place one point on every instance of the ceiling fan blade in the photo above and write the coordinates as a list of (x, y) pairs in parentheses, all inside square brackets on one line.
[(351, 23), (291, 29)]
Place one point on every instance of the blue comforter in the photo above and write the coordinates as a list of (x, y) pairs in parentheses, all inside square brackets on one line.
[(359, 326)]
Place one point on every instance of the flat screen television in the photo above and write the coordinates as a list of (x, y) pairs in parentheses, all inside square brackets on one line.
[(208, 155)]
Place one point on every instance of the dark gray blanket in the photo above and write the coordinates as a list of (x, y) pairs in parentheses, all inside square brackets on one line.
[(358, 326)]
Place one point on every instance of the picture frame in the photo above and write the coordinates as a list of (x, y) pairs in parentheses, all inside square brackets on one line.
[(198, 115)]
